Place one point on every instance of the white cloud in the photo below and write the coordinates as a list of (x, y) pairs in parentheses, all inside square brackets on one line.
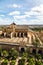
[(5, 21), (21, 21), (16, 6), (14, 13), (2, 15), (37, 10), (19, 17), (36, 21)]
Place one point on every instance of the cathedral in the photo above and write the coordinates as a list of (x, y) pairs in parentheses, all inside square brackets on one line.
[(19, 36)]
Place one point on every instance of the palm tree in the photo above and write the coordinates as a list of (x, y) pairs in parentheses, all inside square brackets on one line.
[(36, 43), (14, 53), (31, 61), (5, 62), (12, 62), (25, 55), (4, 53), (39, 57), (38, 62)]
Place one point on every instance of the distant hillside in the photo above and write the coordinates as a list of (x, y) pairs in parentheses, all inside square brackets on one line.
[(37, 29)]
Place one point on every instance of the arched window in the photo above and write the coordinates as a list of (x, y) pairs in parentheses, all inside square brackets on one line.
[(40, 51), (25, 34), (14, 34), (22, 49), (3, 34), (34, 51), (18, 35), (21, 34)]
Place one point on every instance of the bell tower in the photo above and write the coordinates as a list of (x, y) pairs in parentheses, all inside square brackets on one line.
[(12, 26)]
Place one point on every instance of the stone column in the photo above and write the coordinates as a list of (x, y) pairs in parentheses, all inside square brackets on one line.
[(33, 37), (29, 37), (23, 34), (19, 34), (11, 34), (5, 34), (30, 41), (31, 50), (16, 34), (37, 50)]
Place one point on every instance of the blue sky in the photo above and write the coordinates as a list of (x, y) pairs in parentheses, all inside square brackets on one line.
[(26, 12)]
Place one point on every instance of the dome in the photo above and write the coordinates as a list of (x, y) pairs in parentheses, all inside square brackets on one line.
[(13, 23)]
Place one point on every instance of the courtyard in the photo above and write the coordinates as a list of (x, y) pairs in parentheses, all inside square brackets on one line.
[(14, 57)]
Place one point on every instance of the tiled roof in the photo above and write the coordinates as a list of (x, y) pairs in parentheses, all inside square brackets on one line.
[(22, 27)]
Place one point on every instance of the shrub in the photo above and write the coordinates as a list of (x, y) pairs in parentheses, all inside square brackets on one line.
[(39, 63), (5, 62), (12, 62)]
